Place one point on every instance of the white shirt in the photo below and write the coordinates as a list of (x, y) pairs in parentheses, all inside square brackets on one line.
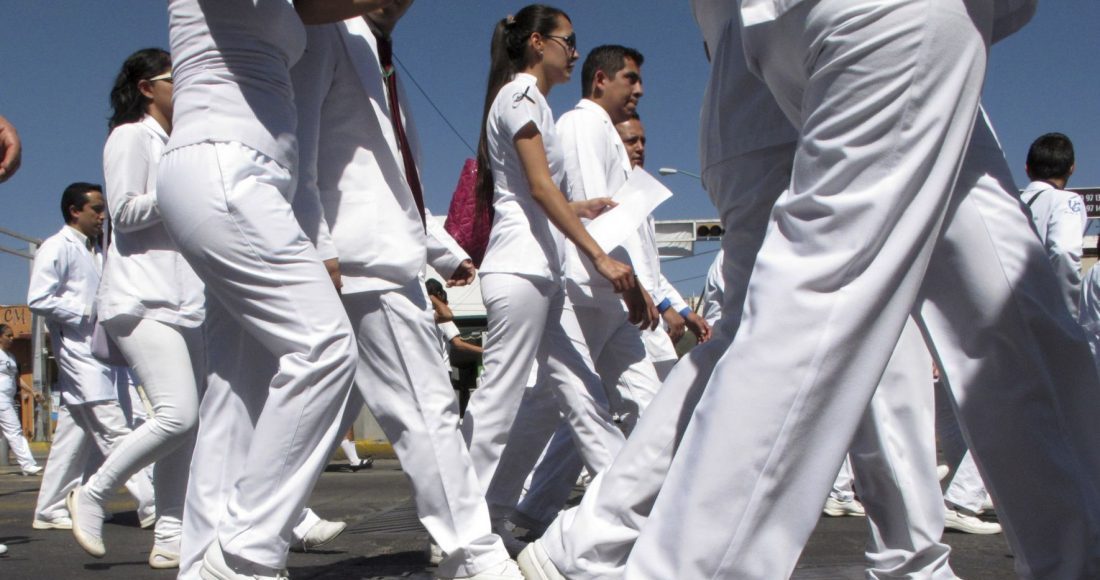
[(231, 62), (1089, 316), (9, 377), (522, 241), (144, 274), (1060, 219), (597, 165), (714, 291), (62, 288)]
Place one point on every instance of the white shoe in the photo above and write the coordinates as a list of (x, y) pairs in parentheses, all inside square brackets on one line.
[(956, 520), (320, 534), (942, 471), (214, 567), (506, 570), (512, 544), (54, 523), (536, 565), (87, 518), (33, 470), (837, 508), (435, 553), (3, 549), (162, 559)]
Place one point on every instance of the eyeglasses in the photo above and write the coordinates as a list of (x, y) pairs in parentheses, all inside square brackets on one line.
[(570, 41), (162, 77)]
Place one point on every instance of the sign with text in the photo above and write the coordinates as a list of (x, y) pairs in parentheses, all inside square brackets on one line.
[(18, 318)]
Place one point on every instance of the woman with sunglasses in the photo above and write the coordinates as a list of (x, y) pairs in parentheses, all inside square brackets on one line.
[(529, 316), (151, 304)]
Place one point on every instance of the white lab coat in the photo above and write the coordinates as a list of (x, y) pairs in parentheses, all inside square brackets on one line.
[(63, 284), (1060, 219)]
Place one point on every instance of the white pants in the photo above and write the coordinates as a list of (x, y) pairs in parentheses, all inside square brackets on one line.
[(84, 435), (279, 345), (661, 351), (409, 392), (965, 487), (879, 223), (169, 361), (12, 428), (529, 319), (842, 486)]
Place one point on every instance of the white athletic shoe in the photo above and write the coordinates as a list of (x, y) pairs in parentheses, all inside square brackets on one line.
[(506, 570), (162, 559), (148, 520), (838, 508), (54, 523), (87, 517), (536, 565), (3, 549), (435, 553), (956, 520), (942, 471), (214, 567), (33, 470), (320, 534)]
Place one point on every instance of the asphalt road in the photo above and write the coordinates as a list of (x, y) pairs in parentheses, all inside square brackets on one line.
[(383, 539)]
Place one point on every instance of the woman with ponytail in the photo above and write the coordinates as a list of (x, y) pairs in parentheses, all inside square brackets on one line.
[(529, 316), (151, 303)]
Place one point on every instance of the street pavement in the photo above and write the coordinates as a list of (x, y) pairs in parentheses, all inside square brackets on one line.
[(383, 540)]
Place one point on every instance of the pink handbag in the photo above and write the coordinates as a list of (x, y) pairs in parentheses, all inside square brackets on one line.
[(465, 224)]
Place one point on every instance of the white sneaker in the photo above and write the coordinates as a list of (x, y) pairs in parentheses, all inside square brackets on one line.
[(956, 520), (536, 565), (942, 471), (148, 520), (33, 470), (214, 567), (838, 508), (54, 523), (3, 549), (320, 534), (87, 518), (162, 559), (512, 544), (506, 570), (435, 553)]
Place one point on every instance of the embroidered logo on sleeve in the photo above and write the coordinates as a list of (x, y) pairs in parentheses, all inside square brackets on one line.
[(1075, 205), (520, 97)]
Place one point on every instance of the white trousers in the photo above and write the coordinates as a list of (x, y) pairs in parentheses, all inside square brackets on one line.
[(12, 429), (170, 362), (965, 487), (842, 486), (880, 223), (84, 435), (892, 449), (661, 351), (529, 319), (280, 350), (630, 383)]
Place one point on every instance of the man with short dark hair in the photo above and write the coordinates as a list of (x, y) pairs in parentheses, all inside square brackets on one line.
[(1059, 215), (63, 285)]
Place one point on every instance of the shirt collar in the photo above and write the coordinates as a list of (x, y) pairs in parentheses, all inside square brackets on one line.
[(76, 236), (590, 105), (150, 123)]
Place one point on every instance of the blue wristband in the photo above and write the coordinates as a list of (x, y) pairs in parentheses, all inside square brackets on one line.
[(685, 311), (664, 305)]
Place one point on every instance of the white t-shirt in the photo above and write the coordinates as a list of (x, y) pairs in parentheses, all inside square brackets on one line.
[(144, 274), (9, 374), (231, 66), (523, 241)]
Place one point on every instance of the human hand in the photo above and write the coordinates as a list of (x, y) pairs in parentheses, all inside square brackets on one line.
[(11, 150), (591, 208), (698, 326), (640, 309), (675, 324), (332, 266), (463, 275), (619, 274)]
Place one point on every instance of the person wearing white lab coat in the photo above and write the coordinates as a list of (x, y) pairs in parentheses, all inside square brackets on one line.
[(151, 303), (1089, 313), (359, 200), (763, 520), (10, 384), (63, 283), (281, 350), (529, 315)]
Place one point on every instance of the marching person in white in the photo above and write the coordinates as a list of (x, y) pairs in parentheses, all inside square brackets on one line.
[(151, 303), (1059, 215), (891, 210), (281, 352), (677, 315), (520, 164), (10, 383), (360, 200), (90, 423), (1089, 314)]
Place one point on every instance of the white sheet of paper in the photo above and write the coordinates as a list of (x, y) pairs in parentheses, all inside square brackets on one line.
[(637, 198)]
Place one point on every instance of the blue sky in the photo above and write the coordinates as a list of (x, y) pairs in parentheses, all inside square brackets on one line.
[(59, 58)]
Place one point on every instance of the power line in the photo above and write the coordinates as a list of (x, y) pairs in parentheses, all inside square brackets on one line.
[(696, 255), (432, 103)]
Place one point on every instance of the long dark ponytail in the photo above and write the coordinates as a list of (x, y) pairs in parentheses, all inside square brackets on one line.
[(508, 53), (127, 102)]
